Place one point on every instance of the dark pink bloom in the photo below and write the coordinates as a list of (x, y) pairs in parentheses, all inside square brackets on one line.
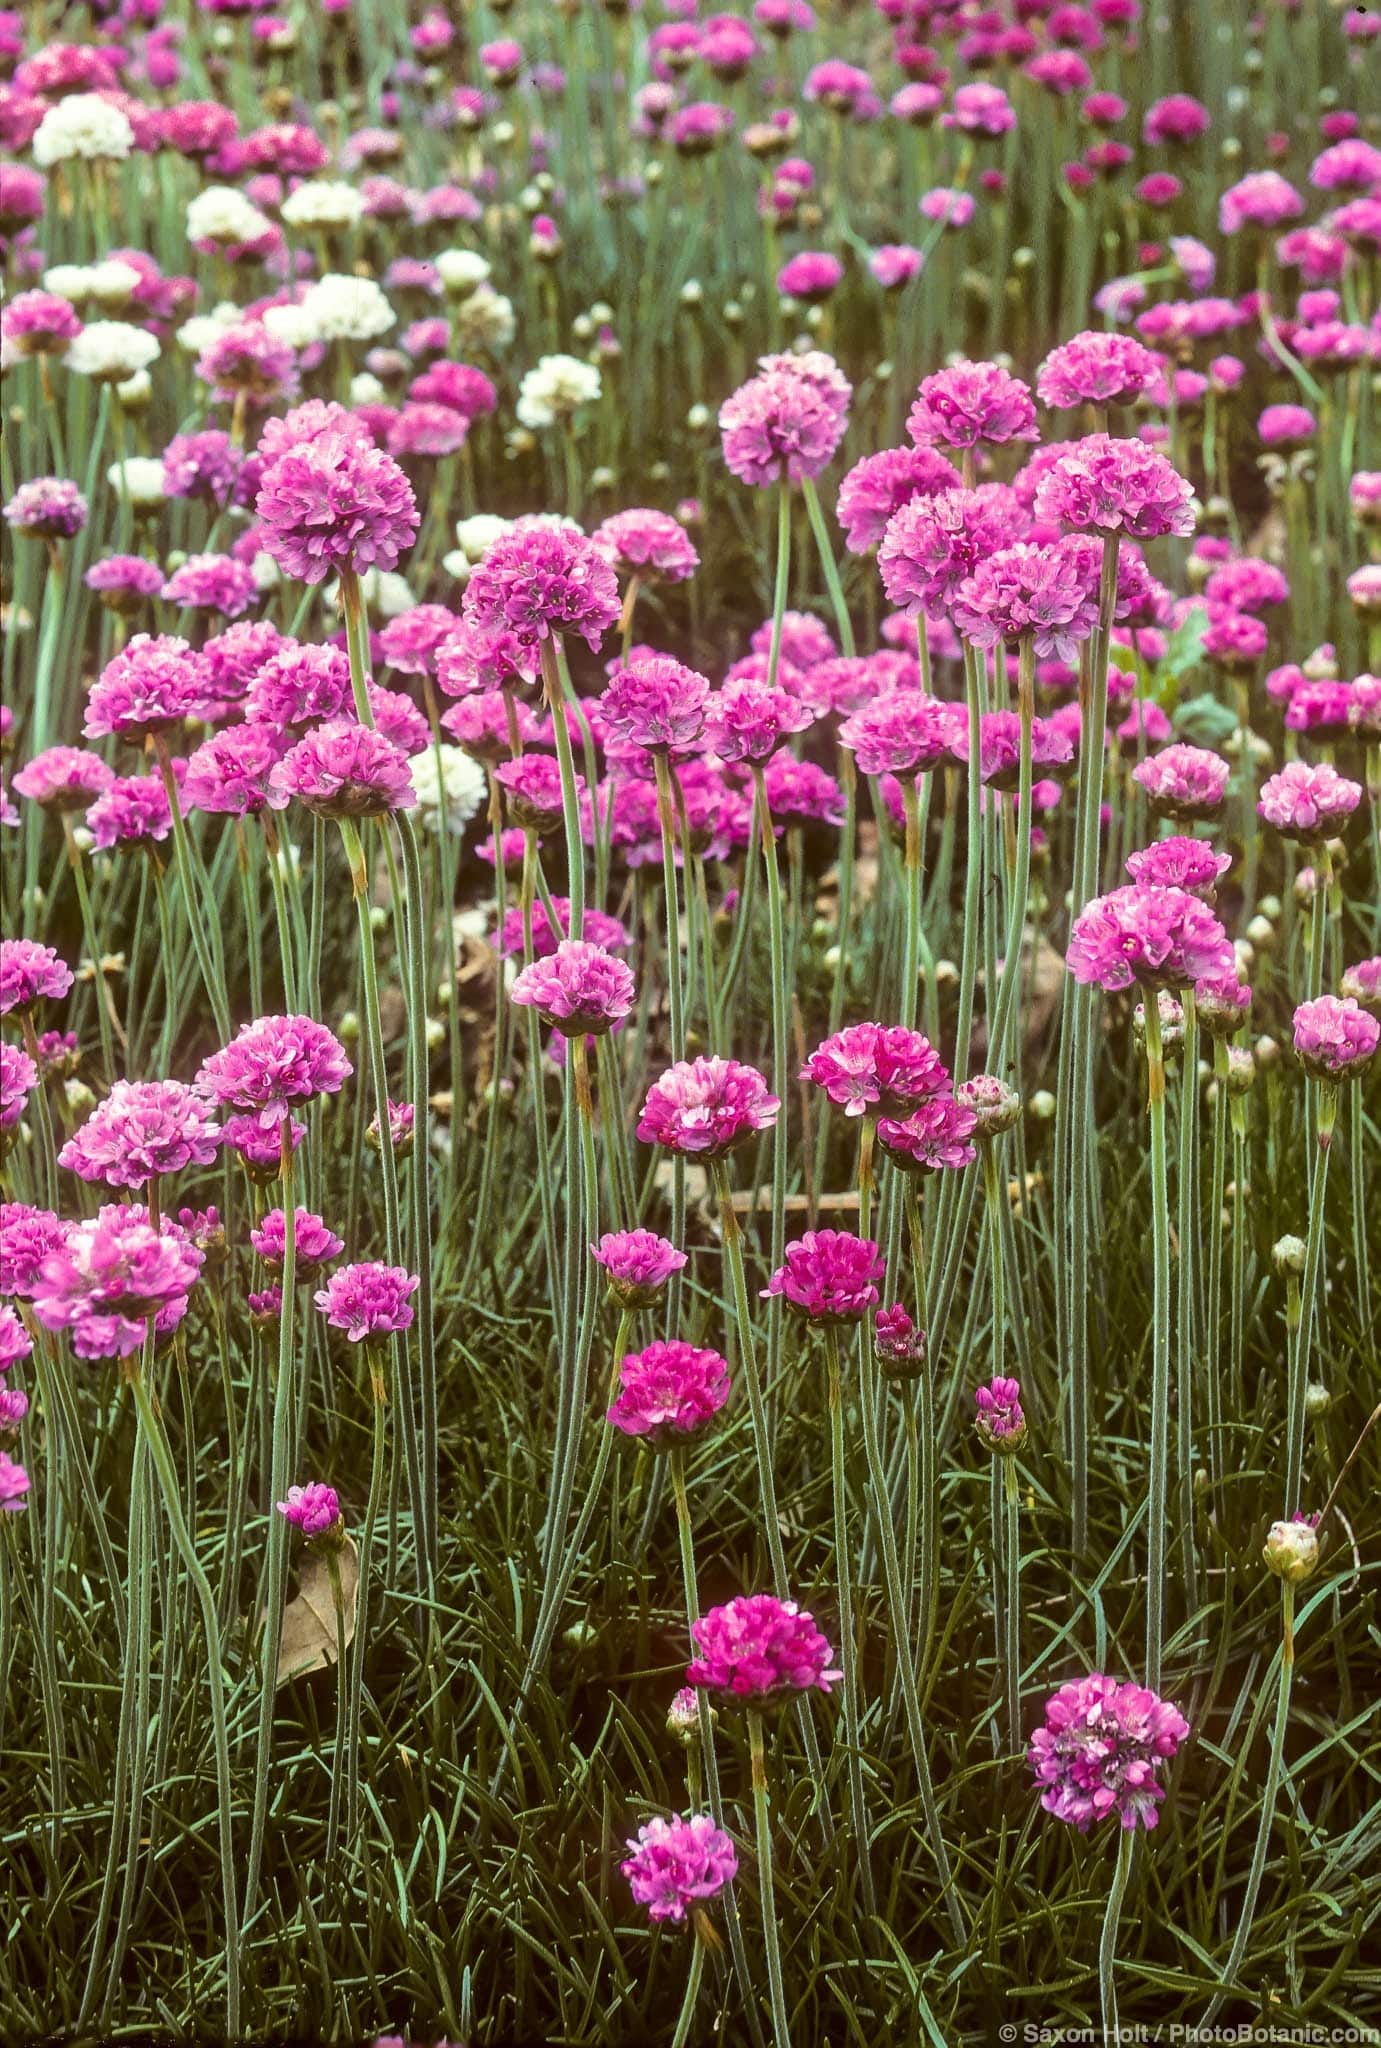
[(600, 929), (899, 1346), (47, 508), (1223, 1002), (656, 702), (14, 1484), (812, 274), (1108, 486), (143, 1129), (39, 323), (650, 545), (1262, 199), (314, 1508), (971, 403), (785, 423), (668, 1393), (638, 1263), (26, 1237), (881, 484), (230, 771), (582, 989), (538, 581), (903, 732), (1101, 1749), (335, 503), (829, 1276), (1041, 591), (747, 721), (1157, 937), (933, 1137), (1362, 982), (1180, 863), (314, 1243), (30, 974), (214, 583), (1335, 1037), (17, 1077), (345, 770), (123, 582), (134, 811), (931, 544), (272, 1063), (152, 685), (704, 1107), (882, 1069), (759, 1649), (368, 1300), (798, 792), (109, 1275), (1177, 118), (674, 1863), (999, 1420), (1096, 368)]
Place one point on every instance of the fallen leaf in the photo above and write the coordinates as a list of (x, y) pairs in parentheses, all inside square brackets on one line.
[(309, 1638)]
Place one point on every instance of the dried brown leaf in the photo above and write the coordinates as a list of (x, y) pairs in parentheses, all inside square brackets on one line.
[(309, 1637)]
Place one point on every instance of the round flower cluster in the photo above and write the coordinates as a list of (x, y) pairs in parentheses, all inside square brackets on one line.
[(758, 1650), (704, 1107), (368, 1301), (1100, 1751), (314, 1509), (142, 1130), (882, 1069), (672, 1864), (638, 1263), (1158, 937), (830, 1276), (581, 989), (669, 1392), (1335, 1037)]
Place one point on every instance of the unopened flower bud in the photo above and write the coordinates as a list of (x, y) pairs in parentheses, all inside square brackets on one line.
[(1287, 1255), (1292, 1550), (1043, 1105), (683, 1717), (80, 1099), (1317, 1401), (996, 1106), (1241, 1071), (348, 1027)]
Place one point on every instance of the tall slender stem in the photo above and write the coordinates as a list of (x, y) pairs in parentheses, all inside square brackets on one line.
[(1160, 1345), (762, 1821), (844, 1554), (1325, 1118)]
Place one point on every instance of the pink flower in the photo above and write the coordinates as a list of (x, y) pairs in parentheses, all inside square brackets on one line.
[(903, 732), (931, 544), (785, 423), (14, 1484), (149, 687), (133, 812), (812, 274), (1262, 199), (881, 484), (1020, 590), (123, 582), (1157, 937), (581, 989), (1109, 486), (1177, 118), (652, 546), (368, 1300), (999, 1421), (638, 1263), (829, 1276), (934, 1137), (672, 1863), (314, 1242), (272, 1063), (15, 1342), (800, 793), (1247, 585), (1096, 368), (1335, 1037), (747, 721), (297, 686), (335, 503), (1362, 983), (971, 403), (760, 1650), (704, 1107), (539, 581), (231, 772), (345, 770), (17, 1077), (30, 974), (1223, 1002), (999, 745), (109, 1275), (668, 1393), (215, 583), (314, 1508), (142, 1130), (882, 1068), (63, 778), (1179, 863), (26, 1237), (600, 929), (656, 702), (1308, 802), (899, 1346), (39, 323), (1184, 782), (1100, 1750), (47, 508)]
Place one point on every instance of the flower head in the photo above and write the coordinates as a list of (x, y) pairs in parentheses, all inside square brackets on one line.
[(999, 1420), (638, 1263), (654, 701), (345, 770), (673, 1863), (17, 1077), (881, 484), (30, 974), (581, 989), (14, 1484), (970, 403), (882, 1069), (142, 1130), (705, 1107), (1335, 1037), (669, 1392), (47, 508), (110, 1274), (1291, 1549), (1158, 937), (1107, 486), (314, 1243), (760, 1650), (1096, 368), (1025, 590), (1180, 863), (63, 778), (935, 1136), (231, 772), (537, 581), (335, 503), (830, 1276), (995, 1104), (1101, 1749), (368, 1300), (931, 544), (1184, 782), (901, 732), (1308, 801), (650, 545), (314, 1509), (149, 687), (272, 1063), (784, 424)]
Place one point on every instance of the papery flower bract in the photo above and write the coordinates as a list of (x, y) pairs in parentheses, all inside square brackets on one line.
[(368, 1300), (669, 1392), (1308, 801), (672, 1864), (582, 989), (1100, 1750), (314, 1242), (705, 1107), (142, 1130), (1158, 937), (882, 1068), (313, 1508), (638, 1263), (758, 1649), (30, 974), (272, 1063), (1335, 1037), (829, 1276)]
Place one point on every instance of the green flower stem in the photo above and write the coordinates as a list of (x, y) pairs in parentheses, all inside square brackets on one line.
[(254, 931), (762, 1821), (1357, 1161), (166, 1472), (685, 2019), (781, 582), (666, 814), (342, 1701), (1186, 1342), (1325, 1119), (781, 1012), (1107, 1941), (829, 567), (1011, 1605), (1005, 1015), (844, 1554), (1246, 1911), (276, 854), (973, 869), (570, 803), (376, 1355), (1318, 921), (93, 948), (1160, 1345), (415, 927), (1213, 1270), (196, 901), (500, 1065)]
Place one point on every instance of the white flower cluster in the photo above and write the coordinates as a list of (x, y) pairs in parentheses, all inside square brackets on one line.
[(484, 322), (140, 480), (340, 308), (111, 350), (462, 783), (555, 389), (222, 213), (322, 203), (112, 282), (82, 125), (461, 270)]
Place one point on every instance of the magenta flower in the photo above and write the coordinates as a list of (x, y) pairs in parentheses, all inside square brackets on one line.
[(47, 508), (14, 1484), (133, 812), (142, 1130), (1159, 938), (900, 1348), (1308, 802), (704, 1107), (314, 1508), (335, 503), (935, 1137), (533, 786), (368, 1300), (409, 642), (149, 687), (1180, 863), (109, 1275), (39, 323), (539, 581), (877, 1068), (668, 1393), (760, 1650), (970, 403), (654, 701), (1335, 1037), (1096, 368), (1223, 1002), (747, 721), (1184, 782), (799, 793), (1262, 199), (1024, 590), (231, 772), (63, 778), (17, 1077), (881, 484), (296, 687), (829, 1276), (652, 546), (1107, 486), (26, 1237), (15, 1342), (638, 1263), (931, 544), (1100, 1751), (213, 583), (600, 929), (784, 424), (30, 974), (345, 770), (314, 1242), (14, 1406), (272, 1063), (673, 1863), (811, 275), (902, 732), (1362, 982), (124, 582), (582, 989), (999, 1420)]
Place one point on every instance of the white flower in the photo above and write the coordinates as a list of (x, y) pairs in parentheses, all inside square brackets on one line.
[(196, 335), (222, 213), (139, 479), (341, 308), (484, 321), (290, 324), (111, 350), (82, 125), (462, 781), (322, 203), (461, 270), (386, 595), (112, 283), (70, 281), (264, 570), (479, 533), (365, 389), (457, 567), (556, 389)]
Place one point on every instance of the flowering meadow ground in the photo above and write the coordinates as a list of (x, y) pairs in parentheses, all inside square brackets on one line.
[(691, 826)]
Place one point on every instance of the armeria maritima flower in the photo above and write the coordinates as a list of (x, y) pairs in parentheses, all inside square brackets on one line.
[(63, 778), (654, 702), (332, 503), (581, 989), (1308, 801), (30, 974), (934, 1137), (1100, 1751), (150, 686), (829, 1276), (999, 1420), (1095, 368), (758, 1649), (313, 1508), (903, 732), (638, 1263), (1180, 863), (272, 1063), (1027, 591), (1108, 486), (668, 1392), (345, 770), (539, 581), (314, 1242), (1335, 1037), (1157, 937), (967, 404), (673, 1864), (784, 424), (143, 1129), (1184, 782), (882, 1069), (110, 1274), (705, 1107), (368, 1300)]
